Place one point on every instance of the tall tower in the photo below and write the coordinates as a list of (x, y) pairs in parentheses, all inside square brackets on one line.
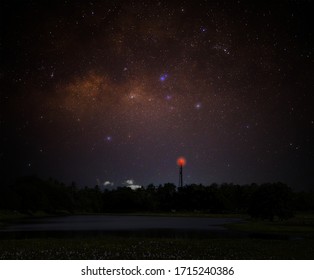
[(181, 162)]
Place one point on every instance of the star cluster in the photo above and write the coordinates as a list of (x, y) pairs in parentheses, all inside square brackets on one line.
[(108, 92)]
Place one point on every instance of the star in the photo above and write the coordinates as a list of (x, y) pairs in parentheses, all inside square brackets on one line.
[(163, 77), (139, 83), (198, 106)]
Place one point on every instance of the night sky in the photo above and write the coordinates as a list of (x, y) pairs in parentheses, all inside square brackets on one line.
[(113, 92)]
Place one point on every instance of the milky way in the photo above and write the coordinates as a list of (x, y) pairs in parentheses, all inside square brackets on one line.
[(110, 92)]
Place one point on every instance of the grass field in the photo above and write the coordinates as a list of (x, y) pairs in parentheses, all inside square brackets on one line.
[(156, 248), (291, 239), (300, 226)]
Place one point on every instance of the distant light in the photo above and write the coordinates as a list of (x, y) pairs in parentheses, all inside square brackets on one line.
[(181, 161)]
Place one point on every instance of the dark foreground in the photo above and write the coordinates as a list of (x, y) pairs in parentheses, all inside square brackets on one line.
[(251, 240), (155, 248)]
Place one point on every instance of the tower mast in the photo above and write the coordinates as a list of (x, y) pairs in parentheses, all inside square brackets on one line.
[(181, 162), (180, 176)]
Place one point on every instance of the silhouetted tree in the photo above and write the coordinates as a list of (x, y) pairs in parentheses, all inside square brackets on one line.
[(165, 196), (31, 194), (303, 201), (271, 200), (90, 200)]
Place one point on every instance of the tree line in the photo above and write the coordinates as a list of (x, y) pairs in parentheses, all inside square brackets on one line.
[(265, 201)]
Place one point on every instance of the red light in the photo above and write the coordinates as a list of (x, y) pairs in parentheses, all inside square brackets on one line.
[(181, 161)]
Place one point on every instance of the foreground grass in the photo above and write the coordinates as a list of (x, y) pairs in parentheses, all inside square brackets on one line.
[(7, 217), (297, 243), (300, 226), (10, 215), (155, 248)]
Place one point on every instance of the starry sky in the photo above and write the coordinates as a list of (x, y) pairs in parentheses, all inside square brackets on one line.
[(113, 92)]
